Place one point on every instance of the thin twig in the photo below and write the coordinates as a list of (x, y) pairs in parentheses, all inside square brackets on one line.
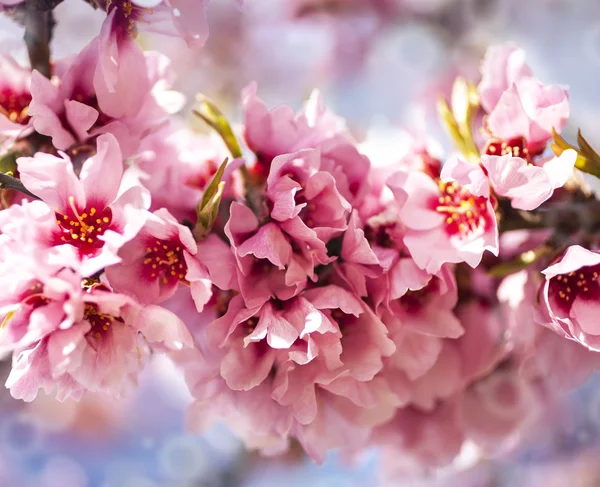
[(8, 182)]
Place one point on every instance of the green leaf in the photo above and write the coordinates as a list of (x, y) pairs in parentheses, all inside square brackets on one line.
[(209, 112), (521, 262), (208, 209), (458, 118), (588, 160)]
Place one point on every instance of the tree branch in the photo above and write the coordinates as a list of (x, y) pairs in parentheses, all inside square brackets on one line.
[(39, 22), (8, 182)]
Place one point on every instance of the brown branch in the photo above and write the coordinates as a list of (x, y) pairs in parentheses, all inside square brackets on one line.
[(39, 22), (8, 182)]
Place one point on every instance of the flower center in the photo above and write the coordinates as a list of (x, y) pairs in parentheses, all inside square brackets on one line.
[(15, 105), (34, 296), (83, 229), (164, 260), (516, 147), (565, 288), (413, 301), (464, 212), (127, 14), (100, 322)]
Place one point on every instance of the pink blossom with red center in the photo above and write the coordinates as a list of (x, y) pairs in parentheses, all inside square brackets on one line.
[(94, 213), (74, 334), (158, 257), (451, 220), (517, 103), (570, 295), (15, 97), (542, 354), (39, 297)]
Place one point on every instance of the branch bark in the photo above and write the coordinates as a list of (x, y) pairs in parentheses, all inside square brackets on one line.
[(39, 23), (8, 182)]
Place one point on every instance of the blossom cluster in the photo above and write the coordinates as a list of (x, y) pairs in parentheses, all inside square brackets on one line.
[(311, 288)]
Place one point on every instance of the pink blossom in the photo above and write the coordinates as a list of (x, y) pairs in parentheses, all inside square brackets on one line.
[(259, 420), (364, 344), (15, 97), (307, 211), (265, 267), (297, 348), (183, 18), (361, 262), (270, 133), (95, 96), (156, 260), (528, 185), (498, 406), (175, 166), (79, 336), (306, 201), (503, 65), (570, 295), (419, 320), (531, 110), (421, 440), (449, 221), (39, 296), (94, 213)]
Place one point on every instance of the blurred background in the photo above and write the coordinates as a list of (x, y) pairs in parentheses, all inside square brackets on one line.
[(377, 62)]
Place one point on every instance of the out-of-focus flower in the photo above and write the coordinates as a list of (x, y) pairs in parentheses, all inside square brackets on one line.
[(15, 97), (519, 105)]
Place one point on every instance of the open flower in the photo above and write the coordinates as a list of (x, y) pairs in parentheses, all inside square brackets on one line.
[(157, 257), (102, 349), (94, 213), (531, 110), (518, 105), (272, 133), (451, 220), (571, 296), (73, 333)]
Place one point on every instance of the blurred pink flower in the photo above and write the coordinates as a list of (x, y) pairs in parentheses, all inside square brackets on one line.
[(519, 105), (502, 66), (15, 97)]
